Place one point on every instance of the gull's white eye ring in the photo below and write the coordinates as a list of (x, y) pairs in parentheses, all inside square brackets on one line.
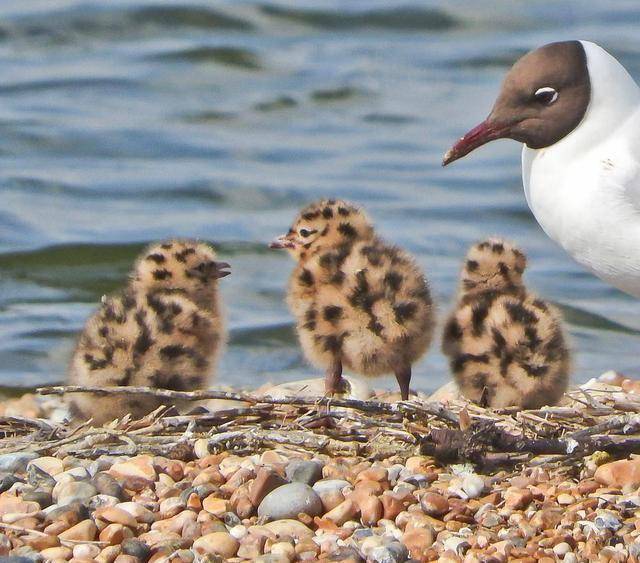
[(546, 95)]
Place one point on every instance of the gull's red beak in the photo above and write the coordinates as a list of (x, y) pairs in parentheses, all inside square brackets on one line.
[(281, 242), (478, 136)]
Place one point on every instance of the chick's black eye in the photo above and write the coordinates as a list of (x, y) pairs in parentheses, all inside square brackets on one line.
[(306, 232), (546, 95)]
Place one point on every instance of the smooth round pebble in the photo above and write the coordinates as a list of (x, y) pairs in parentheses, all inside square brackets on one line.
[(561, 549), (217, 543), (473, 485), (290, 500), (105, 484), (304, 471), (136, 548), (73, 491), (393, 552), (16, 462)]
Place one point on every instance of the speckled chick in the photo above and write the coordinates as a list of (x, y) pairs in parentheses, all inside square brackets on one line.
[(359, 303), (506, 347), (164, 330)]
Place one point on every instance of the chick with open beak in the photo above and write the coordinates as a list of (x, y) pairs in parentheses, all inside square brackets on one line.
[(165, 330), (359, 303)]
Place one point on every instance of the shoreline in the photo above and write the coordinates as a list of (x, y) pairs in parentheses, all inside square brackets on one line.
[(279, 480)]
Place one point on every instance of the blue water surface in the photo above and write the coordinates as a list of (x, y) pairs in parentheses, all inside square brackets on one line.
[(126, 121)]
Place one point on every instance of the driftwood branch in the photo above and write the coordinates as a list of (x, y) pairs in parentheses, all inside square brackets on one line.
[(431, 409), (336, 426)]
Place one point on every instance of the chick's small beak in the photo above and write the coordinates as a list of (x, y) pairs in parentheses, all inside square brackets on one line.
[(222, 269), (209, 270), (281, 242), (481, 134)]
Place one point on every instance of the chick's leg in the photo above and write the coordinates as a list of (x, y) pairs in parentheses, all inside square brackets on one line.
[(403, 376), (333, 382)]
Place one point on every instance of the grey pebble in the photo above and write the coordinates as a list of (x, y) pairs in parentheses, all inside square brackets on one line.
[(290, 500), (418, 480), (100, 501), (22, 555), (393, 552), (9, 481), (136, 548), (203, 491), (43, 498), (605, 520), (394, 473), (231, 519), (304, 471), (55, 511), (105, 484), (361, 533), (330, 485), (16, 462), (346, 554), (102, 464), (39, 478), (73, 491)]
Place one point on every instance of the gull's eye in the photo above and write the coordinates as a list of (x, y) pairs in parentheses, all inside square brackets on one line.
[(546, 95), (306, 233)]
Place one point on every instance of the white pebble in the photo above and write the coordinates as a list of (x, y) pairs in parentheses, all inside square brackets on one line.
[(473, 485), (86, 551), (458, 545), (238, 532), (201, 448), (561, 549)]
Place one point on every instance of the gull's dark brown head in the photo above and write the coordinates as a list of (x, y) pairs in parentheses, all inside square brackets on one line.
[(543, 98)]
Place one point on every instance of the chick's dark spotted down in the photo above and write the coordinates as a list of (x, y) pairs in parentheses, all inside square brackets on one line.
[(506, 347), (164, 330), (359, 302)]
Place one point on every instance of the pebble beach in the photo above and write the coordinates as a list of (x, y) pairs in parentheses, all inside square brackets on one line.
[(278, 505)]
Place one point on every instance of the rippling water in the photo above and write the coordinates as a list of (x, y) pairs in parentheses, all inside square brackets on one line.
[(126, 121)]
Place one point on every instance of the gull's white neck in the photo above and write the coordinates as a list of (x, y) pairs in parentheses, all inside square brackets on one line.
[(567, 184)]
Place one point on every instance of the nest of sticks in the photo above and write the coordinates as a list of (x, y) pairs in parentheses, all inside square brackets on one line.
[(458, 431)]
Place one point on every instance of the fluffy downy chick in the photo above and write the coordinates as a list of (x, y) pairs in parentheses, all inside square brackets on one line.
[(506, 346), (164, 330), (359, 302)]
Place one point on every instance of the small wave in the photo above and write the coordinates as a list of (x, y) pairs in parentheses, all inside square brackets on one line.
[(75, 84), (199, 191), (211, 116), (227, 56), (282, 334), (91, 255), (47, 333), (497, 60), (67, 26), (587, 319), (388, 118), (281, 102), (406, 18), (336, 94), (189, 16)]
